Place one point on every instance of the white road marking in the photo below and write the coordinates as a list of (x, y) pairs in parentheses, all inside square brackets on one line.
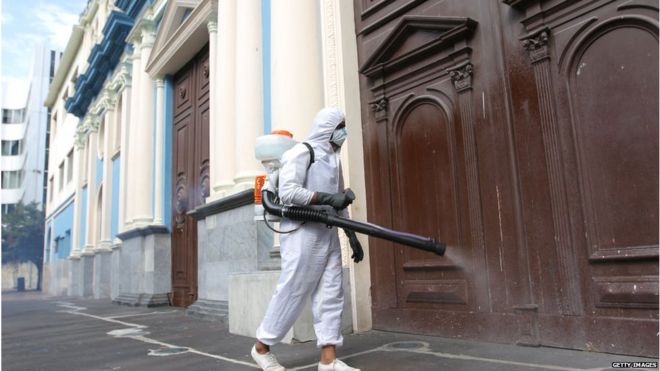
[(142, 314), (126, 333), (78, 313), (136, 332), (425, 349)]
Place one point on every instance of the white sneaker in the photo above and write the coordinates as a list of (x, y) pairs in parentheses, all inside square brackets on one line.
[(336, 365), (266, 361)]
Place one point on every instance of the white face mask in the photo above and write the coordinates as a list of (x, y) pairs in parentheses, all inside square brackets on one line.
[(339, 136)]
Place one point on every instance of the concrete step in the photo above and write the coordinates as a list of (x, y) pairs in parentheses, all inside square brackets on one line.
[(212, 310), (142, 300)]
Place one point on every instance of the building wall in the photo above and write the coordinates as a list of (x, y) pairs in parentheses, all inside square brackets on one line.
[(14, 98), (12, 272), (31, 131)]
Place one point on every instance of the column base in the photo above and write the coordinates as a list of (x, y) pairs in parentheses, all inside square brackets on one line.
[(142, 221), (141, 268), (245, 180), (88, 251), (102, 277), (239, 187), (56, 276), (75, 277), (87, 275), (116, 243), (219, 191), (104, 246)]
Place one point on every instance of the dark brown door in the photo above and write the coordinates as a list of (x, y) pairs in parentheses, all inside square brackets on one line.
[(190, 166), (526, 137)]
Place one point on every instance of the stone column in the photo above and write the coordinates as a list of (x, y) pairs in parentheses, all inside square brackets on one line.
[(214, 132), (297, 79), (249, 91), (77, 211), (132, 140), (106, 201), (143, 156), (91, 195), (101, 265), (123, 161), (160, 126), (221, 129)]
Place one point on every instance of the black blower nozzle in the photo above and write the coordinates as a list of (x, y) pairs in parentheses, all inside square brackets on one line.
[(307, 214)]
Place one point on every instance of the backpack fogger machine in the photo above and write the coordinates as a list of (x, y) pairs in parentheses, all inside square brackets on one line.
[(269, 149)]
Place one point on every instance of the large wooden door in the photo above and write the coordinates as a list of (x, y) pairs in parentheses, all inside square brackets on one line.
[(526, 137), (595, 70), (190, 166)]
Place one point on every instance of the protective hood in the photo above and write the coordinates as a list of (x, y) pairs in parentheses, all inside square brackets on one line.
[(324, 124)]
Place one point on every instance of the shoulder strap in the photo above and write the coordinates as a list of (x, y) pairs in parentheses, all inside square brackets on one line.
[(311, 154)]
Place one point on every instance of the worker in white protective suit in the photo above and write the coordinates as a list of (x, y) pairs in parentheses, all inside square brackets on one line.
[(311, 255)]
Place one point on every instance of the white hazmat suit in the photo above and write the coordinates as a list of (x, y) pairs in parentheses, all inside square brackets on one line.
[(311, 256)]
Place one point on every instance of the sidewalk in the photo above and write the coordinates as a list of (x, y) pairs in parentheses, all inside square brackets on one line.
[(45, 333)]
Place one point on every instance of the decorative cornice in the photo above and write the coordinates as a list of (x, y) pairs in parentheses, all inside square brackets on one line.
[(80, 137), (536, 43), (122, 76), (102, 59), (130, 7), (108, 100), (88, 14), (105, 101), (67, 60), (461, 76), (93, 123)]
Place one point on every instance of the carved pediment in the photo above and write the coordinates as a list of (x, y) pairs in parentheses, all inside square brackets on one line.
[(183, 31), (175, 14), (416, 37)]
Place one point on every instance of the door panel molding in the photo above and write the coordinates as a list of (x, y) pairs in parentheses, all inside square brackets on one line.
[(626, 292), (190, 165), (601, 234), (570, 296)]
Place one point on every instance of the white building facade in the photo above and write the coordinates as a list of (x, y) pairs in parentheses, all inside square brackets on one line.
[(165, 101), (24, 133)]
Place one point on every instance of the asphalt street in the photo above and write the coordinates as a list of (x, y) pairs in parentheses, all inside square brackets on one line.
[(45, 333)]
